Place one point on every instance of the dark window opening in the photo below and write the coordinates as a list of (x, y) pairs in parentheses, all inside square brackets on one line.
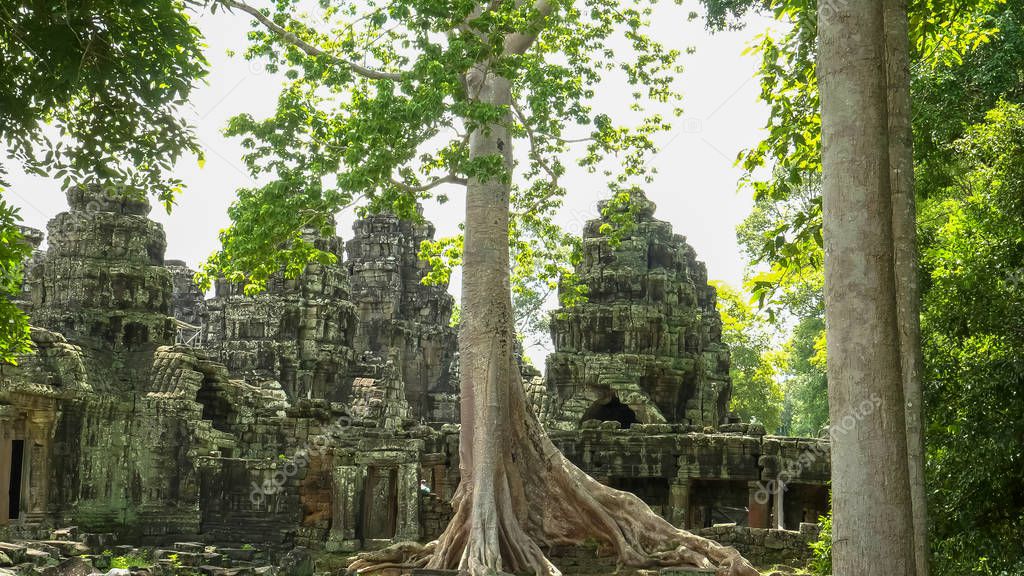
[(155, 251), (610, 342), (613, 410), (14, 494), (289, 327), (216, 408), (653, 491), (692, 342), (287, 375), (659, 256), (135, 334), (718, 502)]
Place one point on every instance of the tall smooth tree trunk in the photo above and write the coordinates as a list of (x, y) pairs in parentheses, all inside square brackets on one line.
[(872, 526), (904, 231), (518, 492)]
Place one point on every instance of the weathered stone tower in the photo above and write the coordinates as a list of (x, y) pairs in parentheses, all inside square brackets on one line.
[(34, 238), (399, 316), (188, 303), (103, 283), (646, 346), (298, 332)]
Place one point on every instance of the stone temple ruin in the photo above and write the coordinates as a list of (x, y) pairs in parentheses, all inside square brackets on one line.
[(324, 412)]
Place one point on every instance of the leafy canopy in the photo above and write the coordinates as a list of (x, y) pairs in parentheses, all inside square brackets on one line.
[(14, 250), (973, 258), (786, 164), (377, 111), (93, 90), (92, 94), (754, 368)]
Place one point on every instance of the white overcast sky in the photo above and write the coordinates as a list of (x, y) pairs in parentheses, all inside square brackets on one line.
[(695, 190)]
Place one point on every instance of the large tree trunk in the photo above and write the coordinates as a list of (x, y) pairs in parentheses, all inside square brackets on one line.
[(518, 492), (904, 231), (871, 526)]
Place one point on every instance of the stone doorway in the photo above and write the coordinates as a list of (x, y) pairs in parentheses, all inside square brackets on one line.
[(16, 484), (612, 410), (216, 406), (718, 502), (380, 509)]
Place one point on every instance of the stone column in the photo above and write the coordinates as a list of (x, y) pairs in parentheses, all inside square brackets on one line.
[(780, 510), (5, 475), (758, 512), (440, 482), (679, 503), (408, 491), (346, 499), (42, 430)]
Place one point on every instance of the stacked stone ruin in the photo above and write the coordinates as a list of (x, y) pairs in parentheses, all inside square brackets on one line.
[(298, 332), (400, 316), (323, 411), (646, 345)]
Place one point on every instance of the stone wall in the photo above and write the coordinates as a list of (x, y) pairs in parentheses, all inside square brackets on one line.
[(766, 547), (188, 304), (696, 479), (298, 333)]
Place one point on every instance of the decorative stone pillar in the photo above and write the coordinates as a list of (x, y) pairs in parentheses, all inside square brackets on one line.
[(679, 503), (780, 510), (37, 473), (758, 510), (347, 488), (5, 473), (408, 491)]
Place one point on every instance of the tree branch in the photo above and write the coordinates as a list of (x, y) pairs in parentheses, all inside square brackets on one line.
[(294, 40), (534, 153), (520, 43), (449, 179)]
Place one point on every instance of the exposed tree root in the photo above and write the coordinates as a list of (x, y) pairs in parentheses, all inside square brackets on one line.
[(404, 556)]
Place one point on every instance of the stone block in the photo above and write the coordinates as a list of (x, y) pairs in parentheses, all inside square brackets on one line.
[(239, 554), (69, 567), (14, 552), (775, 541)]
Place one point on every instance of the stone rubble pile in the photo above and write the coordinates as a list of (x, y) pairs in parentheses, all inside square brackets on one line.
[(66, 552)]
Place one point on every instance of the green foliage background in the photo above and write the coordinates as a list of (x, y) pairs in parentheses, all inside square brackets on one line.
[(754, 367)]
